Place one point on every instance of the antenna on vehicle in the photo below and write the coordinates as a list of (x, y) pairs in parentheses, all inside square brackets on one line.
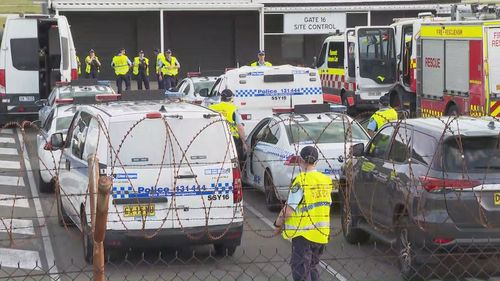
[(163, 109)]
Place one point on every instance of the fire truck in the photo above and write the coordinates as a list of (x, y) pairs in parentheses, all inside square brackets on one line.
[(357, 67), (458, 64)]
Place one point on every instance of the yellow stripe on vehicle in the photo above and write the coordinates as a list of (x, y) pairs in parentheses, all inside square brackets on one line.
[(333, 71), (452, 31), (496, 111)]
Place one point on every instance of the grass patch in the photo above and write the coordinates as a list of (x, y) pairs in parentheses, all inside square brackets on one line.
[(19, 6)]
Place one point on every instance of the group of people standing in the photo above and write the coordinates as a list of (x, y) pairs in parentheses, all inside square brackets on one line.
[(166, 69)]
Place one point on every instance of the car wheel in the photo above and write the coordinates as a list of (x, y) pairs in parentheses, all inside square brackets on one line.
[(62, 217), (352, 234), (225, 250), (406, 253), (272, 202), (87, 241), (43, 186)]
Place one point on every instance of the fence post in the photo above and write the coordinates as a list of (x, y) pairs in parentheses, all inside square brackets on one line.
[(103, 190)]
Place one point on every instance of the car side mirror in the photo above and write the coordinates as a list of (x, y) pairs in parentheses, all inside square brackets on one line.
[(315, 62), (203, 92), (37, 123), (358, 149), (56, 141), (41, 102)]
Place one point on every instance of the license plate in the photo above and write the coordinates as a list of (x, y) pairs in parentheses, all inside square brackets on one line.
[(496, 199), (374, 94), (26, 98), (147, 210)]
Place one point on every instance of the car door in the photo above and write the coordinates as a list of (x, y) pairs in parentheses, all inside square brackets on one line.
[(367, 172), (256, 154), (394, 171), (43, 137)]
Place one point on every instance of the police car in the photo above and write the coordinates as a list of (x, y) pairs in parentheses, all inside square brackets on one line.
[(277, 140), (168, 188), (257, 90), (63, 93), (195, 87), (57, 121)]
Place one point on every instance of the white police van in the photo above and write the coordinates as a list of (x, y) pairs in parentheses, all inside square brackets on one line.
[(169, 188), (259, 89), (36, 51)]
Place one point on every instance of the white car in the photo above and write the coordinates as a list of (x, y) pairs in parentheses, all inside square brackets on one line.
[(57, 121), (276, 142), (64, 93), (196, 88), (175, 174)]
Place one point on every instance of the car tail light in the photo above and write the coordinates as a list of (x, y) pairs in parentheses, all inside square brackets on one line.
[(20, 109), (243, 103), (313, 101), (112, 97), (237, 185), (435, 184), (64, 101), (153, 115), (2, 78), (74, 74), (193, 74), (246, 116), (282, 110), (442, 240), (292, 160), (48, 146)]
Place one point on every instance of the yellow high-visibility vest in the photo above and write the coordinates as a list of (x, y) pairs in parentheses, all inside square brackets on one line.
[(383, 116), (79, 66), (311, 219), (88, 65), (137, 61), (166, 63), (256, 63), (227, 110), (159, 59), (120, 63)]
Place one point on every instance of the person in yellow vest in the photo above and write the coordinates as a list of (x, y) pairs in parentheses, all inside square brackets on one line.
[(262, 60), (169, 70), (230, 112), (121, 64), (92, 65), (141, 70), (78, 65), (385, 114), (305, 218), (158, 62)]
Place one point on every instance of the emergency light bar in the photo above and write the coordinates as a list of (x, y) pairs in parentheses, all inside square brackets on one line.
[(311, 109), (142, 95), (193, 74), (480, 2)]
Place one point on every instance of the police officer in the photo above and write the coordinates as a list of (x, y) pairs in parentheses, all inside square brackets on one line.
[(78, 65), (158, 62), (141, 70), (385, 114), (262, 60), (305, 218), (230, 112), (121, 64), (169, 70), (92, 65)]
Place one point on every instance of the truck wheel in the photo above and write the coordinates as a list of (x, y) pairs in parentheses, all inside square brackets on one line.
[(43, 186), (87, 241), (63, 219), (225, 250), (452, 111), (272, 202), (350, 219)]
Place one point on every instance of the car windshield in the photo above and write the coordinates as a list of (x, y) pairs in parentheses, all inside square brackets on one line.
[(202, 85), (480, 154), (68, 92), (323, 132), (62, 123)]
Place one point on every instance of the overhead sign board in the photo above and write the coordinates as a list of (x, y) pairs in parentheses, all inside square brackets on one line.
[(314, 23)]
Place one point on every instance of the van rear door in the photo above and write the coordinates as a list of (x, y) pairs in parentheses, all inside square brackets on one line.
[(66, 48), (21, 60)]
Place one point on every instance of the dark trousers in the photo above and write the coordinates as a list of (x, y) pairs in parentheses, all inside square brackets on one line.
[(305, 259), (160, 81), (142, 78), (241, 152), (120, 79), (168, 82), (91, 75)]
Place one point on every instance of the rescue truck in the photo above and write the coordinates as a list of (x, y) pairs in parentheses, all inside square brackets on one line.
[(458, 64), (358, 67)]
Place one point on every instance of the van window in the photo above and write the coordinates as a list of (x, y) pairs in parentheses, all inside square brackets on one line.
[(65, 53), (24, 53), (336, 55), (399, 149), (322, 55), (92, 136), (472, 154), (424, 147)]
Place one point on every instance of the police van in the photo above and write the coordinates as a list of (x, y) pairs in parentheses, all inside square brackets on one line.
[(259, 89), (36, 51), (169, 189)]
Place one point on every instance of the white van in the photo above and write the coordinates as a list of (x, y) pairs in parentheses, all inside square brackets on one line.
[(170, 188), (36, 51), (259, 90)]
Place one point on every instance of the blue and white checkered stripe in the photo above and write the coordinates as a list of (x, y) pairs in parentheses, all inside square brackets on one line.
[(121, 192), (222, 188), (245, 93)]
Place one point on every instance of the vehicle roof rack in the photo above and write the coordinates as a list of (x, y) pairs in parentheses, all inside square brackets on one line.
[(142, 95)]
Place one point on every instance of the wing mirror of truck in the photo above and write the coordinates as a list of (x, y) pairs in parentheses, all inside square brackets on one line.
[(56, 141), (358, 149), (203, 92)]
